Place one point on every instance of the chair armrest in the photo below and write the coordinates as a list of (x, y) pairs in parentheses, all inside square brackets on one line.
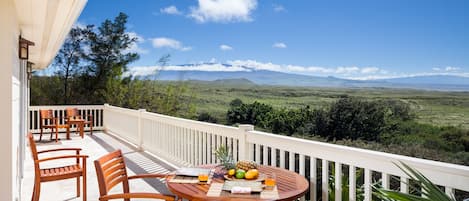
[(141, 176), (60, 149), (136, 195), (61, 157)]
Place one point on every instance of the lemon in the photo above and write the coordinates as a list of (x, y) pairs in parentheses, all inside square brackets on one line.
[(252, 174), (231, 172)]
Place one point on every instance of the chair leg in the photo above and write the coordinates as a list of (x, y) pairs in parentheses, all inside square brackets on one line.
[(37, 191), (84, 185), (68, 133), (51, 133), (91, 128), (40, 136), (56, 135), (78, 186)]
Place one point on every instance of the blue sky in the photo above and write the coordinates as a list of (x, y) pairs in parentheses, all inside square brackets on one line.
[(352, 39)]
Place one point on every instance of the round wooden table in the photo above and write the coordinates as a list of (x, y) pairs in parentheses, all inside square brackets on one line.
[(290, 185)]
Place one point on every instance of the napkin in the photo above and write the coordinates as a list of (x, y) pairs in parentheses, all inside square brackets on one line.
[(241, 190)]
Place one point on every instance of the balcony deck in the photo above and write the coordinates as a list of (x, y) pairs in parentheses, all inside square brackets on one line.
[(185, 142), (94, 146)]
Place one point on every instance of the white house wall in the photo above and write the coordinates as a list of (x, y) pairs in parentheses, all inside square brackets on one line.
[(9, 101)]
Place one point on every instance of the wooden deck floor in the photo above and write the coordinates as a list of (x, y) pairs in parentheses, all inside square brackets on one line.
[(94, 146)]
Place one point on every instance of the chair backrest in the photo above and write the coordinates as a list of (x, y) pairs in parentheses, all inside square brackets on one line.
[(72, 112), (45, 117), (32, 146), (110, 171), (45, 114)]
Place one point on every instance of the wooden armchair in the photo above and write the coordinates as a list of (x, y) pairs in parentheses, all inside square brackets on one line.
[(47, 120), (87, 120), (75, 170), (111, 170)]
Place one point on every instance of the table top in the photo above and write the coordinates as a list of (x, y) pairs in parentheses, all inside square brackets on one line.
[(290, 185)]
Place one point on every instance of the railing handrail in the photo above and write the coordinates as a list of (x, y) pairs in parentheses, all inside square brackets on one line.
[(190, 142), (379, 161), (37, 107)]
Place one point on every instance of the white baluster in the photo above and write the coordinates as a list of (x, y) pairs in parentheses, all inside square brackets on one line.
[(282, 158), (352, 183), (312, 178), (325, 179), (338, 181), (367, 184)]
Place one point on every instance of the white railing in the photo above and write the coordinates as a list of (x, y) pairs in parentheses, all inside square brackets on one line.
[(191, 143), (60, 111)]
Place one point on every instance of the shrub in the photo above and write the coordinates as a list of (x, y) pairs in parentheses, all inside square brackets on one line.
[(204, 116)]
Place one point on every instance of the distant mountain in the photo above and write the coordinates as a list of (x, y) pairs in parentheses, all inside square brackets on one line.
[(264, 77)]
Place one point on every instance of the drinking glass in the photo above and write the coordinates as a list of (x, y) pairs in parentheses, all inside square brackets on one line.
[(270, 181), (203, 177)]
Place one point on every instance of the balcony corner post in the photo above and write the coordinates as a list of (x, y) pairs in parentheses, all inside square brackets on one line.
[(140, 134), (243, 150)]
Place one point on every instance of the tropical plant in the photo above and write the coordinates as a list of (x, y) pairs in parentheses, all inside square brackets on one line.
[(225, 158), (345, 185), (429, 191)]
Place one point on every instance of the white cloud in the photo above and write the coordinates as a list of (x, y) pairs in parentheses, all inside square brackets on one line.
[(225, 47), (256, 65), (150, 70), (134, 47), (279, 45), (171, 10), (436, 69), (224, 11), (278, 8), (368, 70), (164, 42), (349, 72), (450, 68)]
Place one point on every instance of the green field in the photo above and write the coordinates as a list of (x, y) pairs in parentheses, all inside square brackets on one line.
[(432, 107)]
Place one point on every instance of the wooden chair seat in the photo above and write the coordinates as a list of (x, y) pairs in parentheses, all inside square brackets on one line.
[(75, 170), (52, 174)]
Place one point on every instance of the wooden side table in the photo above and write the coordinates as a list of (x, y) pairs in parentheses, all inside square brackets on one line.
[(80, 125)]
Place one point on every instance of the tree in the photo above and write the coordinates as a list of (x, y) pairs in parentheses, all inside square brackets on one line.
[(108, 57), (69, 57)]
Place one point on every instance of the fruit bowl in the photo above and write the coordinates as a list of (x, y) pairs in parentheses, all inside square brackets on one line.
[(261, 177)]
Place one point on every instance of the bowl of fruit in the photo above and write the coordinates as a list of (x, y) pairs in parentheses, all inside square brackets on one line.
[(242, 170), (245, 170)]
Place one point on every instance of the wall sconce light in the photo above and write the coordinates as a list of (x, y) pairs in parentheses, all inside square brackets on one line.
[(29, 70), (24, 48)]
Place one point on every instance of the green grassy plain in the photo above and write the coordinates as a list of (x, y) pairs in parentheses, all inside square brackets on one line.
[(432, 107)]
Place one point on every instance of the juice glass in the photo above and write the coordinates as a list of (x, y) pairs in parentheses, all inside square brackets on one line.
[(203, 177), (270, 181)]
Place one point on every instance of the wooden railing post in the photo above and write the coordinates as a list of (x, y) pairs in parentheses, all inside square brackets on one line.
[(140, 133), (243, 143)]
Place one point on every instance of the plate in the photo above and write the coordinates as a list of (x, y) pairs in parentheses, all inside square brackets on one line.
[(261, 177)]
